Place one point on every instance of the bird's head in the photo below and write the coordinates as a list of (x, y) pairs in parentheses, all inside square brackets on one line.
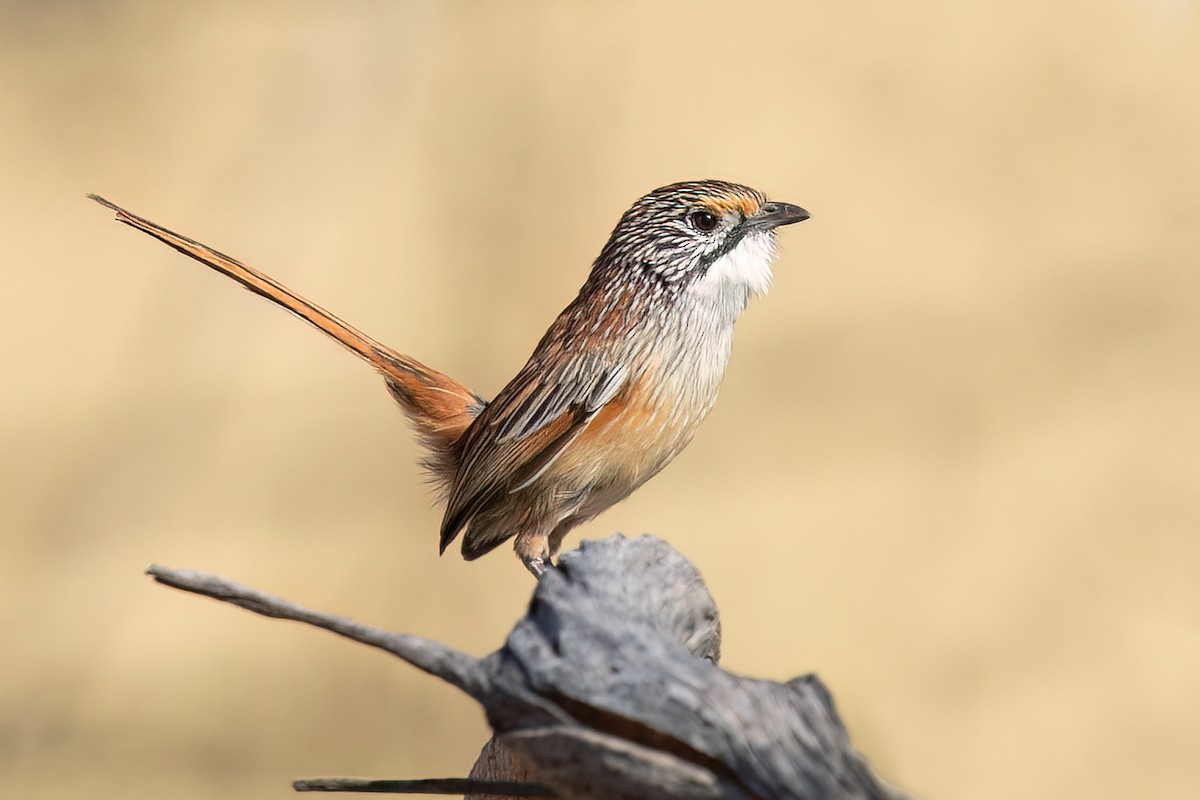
[(707, 237)]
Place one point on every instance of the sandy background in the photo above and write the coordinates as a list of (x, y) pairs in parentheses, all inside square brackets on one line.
[(954, 466)]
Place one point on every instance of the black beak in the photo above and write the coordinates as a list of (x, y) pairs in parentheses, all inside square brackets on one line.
[(772, 215)]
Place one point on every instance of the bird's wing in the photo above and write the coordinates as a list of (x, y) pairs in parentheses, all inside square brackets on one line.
[(527, 427)]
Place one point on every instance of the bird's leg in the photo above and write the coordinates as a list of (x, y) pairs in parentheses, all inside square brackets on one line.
[(533, 548)]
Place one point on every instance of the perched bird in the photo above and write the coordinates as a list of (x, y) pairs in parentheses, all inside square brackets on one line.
[(613, 392)]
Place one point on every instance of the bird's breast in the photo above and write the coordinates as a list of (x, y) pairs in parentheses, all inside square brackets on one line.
[(656, 415)]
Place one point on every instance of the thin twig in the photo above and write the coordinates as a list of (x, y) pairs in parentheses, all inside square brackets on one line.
[(427, 786), (452, 666)]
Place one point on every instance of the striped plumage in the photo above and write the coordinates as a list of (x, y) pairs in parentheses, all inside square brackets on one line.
[(612, 393)]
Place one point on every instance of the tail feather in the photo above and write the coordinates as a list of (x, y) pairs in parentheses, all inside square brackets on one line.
[(440, 407)]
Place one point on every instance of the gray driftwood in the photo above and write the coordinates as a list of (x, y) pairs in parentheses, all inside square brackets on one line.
[(609, 688)]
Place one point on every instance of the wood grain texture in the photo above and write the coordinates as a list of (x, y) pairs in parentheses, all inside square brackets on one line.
[(609, 688)]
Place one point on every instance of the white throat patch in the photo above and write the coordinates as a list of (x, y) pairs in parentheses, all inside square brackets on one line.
[(747, 267)]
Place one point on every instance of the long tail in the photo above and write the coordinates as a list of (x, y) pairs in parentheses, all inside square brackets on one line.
[(440, 407)]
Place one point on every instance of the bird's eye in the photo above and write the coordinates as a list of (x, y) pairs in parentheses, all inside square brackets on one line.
[(703, 221)]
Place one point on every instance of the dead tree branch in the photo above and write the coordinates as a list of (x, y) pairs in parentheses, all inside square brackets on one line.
[(609, 688)]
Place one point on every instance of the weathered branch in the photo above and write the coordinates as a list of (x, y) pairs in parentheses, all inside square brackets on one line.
[(608, 688)]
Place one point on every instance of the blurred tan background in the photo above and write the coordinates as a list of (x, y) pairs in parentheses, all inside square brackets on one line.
[(953, 469)]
